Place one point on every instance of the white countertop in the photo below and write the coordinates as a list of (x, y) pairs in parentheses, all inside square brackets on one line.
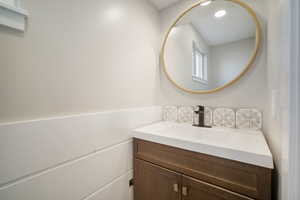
[(245, 146)]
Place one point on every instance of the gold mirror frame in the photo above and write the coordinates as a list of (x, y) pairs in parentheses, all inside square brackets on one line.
[(251, 61)]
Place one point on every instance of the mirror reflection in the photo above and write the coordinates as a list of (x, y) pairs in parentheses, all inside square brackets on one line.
[(210, 46)]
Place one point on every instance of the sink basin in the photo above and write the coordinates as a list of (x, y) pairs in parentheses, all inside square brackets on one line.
[(245, 146)]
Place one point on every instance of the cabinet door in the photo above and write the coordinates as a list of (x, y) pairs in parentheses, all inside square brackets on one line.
[(193, 189), (152, 182)]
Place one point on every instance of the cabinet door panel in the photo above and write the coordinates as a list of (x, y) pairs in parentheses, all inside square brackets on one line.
[(193, 189), (155, 183)]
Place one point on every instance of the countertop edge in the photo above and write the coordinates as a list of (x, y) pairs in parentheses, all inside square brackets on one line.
[(235, 155)]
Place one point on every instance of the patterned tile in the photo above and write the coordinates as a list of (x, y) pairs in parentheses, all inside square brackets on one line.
[(224, 117), (208, 116), (185, 114), (249, 119), (170, 113)]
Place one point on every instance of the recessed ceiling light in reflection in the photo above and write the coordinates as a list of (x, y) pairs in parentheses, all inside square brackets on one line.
[(220, 13), (206, 3)]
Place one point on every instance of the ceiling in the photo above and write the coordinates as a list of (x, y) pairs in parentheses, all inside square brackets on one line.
[(161, 4), (238, 24)]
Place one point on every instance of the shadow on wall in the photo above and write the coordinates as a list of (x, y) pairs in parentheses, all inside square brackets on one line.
[(275, 183), (12, 32)]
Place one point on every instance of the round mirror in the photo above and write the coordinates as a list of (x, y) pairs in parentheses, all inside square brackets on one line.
[(211, 45)]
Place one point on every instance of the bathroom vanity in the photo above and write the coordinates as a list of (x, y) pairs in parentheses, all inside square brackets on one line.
[(175, 161), (208, 48)]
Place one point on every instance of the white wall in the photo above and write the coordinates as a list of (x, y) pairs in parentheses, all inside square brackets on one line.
[(79, 56), (229, 60), (278, 88), (86, 156), (179, 55), (250, 91), (76, 57), (294, 101)]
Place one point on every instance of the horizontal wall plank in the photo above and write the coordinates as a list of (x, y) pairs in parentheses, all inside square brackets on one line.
[(77, 179), (30, 147), (117, 190)]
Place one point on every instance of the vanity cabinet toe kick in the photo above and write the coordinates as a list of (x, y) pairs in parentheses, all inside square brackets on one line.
[(163, 172)]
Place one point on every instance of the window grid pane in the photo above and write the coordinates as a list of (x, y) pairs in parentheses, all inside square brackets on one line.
[(199, 72), (197, 65), (205, 68), (200, 65)]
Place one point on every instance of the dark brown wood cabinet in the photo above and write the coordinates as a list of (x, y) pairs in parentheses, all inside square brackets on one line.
[(193, 189), (155, 183), (162, 172)]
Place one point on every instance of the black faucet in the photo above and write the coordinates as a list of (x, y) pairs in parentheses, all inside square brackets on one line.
[(201, 117)]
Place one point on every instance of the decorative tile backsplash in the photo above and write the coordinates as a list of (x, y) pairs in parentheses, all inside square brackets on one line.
[(208, 116), (241, 118), (185, 114), (224, 117), (248, 119), (170, 113)]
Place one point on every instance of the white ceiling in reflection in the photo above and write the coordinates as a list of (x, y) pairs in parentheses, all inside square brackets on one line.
[(236, 25)]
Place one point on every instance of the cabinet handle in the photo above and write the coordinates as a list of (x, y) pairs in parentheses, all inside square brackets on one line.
[(175, 187), (184, 191)]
